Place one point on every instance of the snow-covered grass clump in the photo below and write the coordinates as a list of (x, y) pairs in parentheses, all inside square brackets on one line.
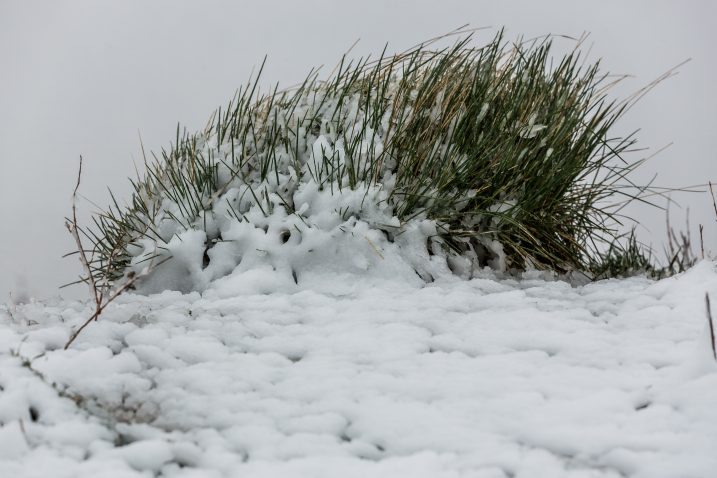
[(411, 166)]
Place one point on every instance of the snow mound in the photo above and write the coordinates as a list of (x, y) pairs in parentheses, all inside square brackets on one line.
[(327, 236), (482, 378)]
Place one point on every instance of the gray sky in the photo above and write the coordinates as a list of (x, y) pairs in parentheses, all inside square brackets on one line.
[(84, 77)]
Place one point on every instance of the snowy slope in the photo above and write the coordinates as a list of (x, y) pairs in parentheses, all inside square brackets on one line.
[(354, 377)]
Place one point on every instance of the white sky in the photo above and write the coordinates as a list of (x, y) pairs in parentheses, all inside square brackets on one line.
[(84, 77)]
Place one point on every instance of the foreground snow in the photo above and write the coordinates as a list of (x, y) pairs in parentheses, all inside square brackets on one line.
[(352, 378)]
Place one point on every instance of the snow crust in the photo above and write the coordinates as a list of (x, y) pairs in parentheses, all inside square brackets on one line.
[(350, 374)]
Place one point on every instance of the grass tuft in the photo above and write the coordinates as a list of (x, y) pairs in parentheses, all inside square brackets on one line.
[(506, 148)]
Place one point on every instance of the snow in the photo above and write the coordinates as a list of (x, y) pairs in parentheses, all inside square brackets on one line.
[(353, 373)]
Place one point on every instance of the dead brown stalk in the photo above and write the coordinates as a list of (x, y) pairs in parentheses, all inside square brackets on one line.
[(101, 294), (712, 327)]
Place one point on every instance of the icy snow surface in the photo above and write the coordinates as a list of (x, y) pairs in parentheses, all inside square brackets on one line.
[(353, 377)]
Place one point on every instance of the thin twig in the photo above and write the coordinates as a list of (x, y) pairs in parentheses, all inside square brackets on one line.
[(72, 228)]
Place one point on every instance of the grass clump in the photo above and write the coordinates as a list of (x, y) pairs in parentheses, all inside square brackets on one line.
[(624, 257), (505, 148)]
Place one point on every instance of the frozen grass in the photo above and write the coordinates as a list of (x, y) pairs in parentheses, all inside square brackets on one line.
[(506, 148)]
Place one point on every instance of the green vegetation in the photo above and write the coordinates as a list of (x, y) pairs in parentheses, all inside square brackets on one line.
[(501, 144)]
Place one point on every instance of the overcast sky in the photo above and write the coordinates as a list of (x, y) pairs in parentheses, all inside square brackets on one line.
[(85, 77)]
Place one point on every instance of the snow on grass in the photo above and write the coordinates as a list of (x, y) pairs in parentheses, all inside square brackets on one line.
[(500, 155), (357, 376)]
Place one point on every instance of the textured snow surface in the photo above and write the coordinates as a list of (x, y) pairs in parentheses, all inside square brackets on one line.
[(358, 377)]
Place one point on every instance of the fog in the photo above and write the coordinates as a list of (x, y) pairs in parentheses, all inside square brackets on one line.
[(88, 77)]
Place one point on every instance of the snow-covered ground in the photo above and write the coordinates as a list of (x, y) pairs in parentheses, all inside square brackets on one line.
[(350, 376)]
